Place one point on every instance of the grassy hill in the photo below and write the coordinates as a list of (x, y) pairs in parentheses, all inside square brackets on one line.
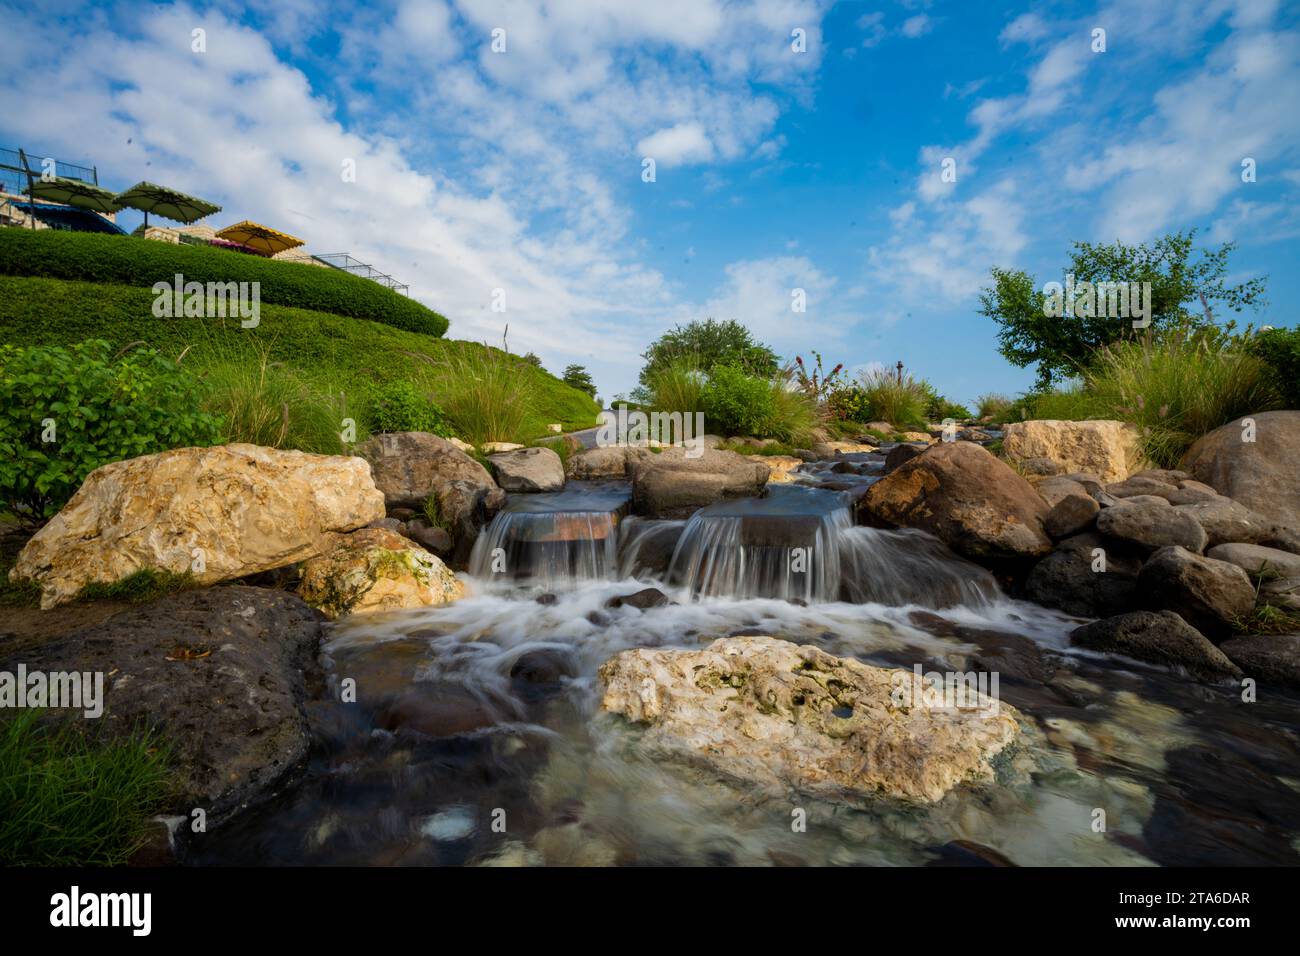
[(330, 352)]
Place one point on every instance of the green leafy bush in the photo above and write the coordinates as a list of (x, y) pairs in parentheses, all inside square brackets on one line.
[(89, 257), (992, 405), (738, 404), (1279, 349), (849, 403), (401, 407), (66, 411)]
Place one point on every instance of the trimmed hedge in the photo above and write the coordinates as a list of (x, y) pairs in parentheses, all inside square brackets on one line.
[(88, 257), (332, 352)]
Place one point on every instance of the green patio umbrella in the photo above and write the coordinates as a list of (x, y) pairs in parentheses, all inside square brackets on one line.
[(74, 192), (168, 203)]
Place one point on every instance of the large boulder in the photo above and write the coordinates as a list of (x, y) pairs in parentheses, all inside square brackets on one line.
[(215, 513), (1158, 638), (1269, 658), (411, 467), (769, 714), (529, 469), (1263, 474), (376, 569), (1108, 449), (672, 484), (1210, 595), (218, 673), (1151, 523), (1077, 579), (963, 495)]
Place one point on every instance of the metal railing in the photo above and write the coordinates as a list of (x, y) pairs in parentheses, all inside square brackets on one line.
[(346, 263), (14, 172)]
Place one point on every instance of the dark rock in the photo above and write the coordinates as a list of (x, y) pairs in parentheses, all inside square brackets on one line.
[(546, 599), (436, 540), (1065, 579), (218, 673), (1052, 490), (1158, 638), (1225, 521), (1210, 595), (1150, 525), (643, 599), (902, 453), (1071, 515), (1137, 485), (968, 853), (1269, 658), (1256, 559)]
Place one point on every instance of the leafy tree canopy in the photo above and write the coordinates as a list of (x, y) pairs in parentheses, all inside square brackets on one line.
[(710, 343)]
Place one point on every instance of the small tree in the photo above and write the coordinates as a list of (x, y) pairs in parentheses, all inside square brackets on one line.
[(1181, 293), (578, 377), (707, 344)]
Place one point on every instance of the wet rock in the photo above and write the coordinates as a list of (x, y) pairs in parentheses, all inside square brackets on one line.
[(529, 470), (1071, 515), (607, 462), (1269, 658), (780, 468), (775, 715), (1210, 595), (968, 853), (1066, 578), (1256, 559), (844, 468), (218, 673), (1108, 449), (674, 485), (1157, 637), (434, 710), (1151, 525), (967, 498), (546, 599), (1263, 474), (643, 599), (901, 454), (241, 508), (376, 570)]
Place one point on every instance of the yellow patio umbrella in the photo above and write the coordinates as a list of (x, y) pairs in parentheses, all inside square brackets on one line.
[(261, 238)]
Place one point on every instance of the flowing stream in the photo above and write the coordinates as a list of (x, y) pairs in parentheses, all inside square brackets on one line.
[(477, 736)]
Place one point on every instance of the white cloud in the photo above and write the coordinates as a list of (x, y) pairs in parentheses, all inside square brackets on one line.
[(916, 26), (683, 143)]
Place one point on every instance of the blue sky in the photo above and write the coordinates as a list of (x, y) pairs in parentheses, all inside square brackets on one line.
[(521, 170)]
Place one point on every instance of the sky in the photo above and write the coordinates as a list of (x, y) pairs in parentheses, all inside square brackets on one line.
[(500, 153)]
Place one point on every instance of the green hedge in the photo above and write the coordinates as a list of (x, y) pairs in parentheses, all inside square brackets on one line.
[(334, 353), (87, 257)]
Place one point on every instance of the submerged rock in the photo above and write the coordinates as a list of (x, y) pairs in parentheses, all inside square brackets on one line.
[(1157, 637), (376, 570), (778, 715), (214, 513)]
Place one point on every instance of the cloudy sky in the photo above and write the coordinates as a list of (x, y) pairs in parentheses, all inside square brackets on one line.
[(797, 144)]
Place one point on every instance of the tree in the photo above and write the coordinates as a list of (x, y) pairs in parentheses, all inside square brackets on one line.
[(532, 358), (710, 343), (577, 376), (1181, 293)]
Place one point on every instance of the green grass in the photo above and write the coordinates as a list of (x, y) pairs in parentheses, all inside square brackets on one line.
[(67, 799), (678, 386), (20, 594), (139, 263), (139, 587), (780, 448), (992, 404), (482, 392), (334, 355), (901, 403)]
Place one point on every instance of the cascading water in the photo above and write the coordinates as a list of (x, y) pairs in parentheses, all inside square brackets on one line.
[(548, 539), (801, 543)]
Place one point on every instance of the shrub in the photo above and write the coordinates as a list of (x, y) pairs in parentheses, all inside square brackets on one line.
[(795, 413), (401, 407), (1279, 349), (72, 800), (902, 403), (483, 393), (1178, 386), (677, 386), (738, 404), (992, 405), (849, 403), (267, 403), (710, 343), (89, 257), (66, 411)]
